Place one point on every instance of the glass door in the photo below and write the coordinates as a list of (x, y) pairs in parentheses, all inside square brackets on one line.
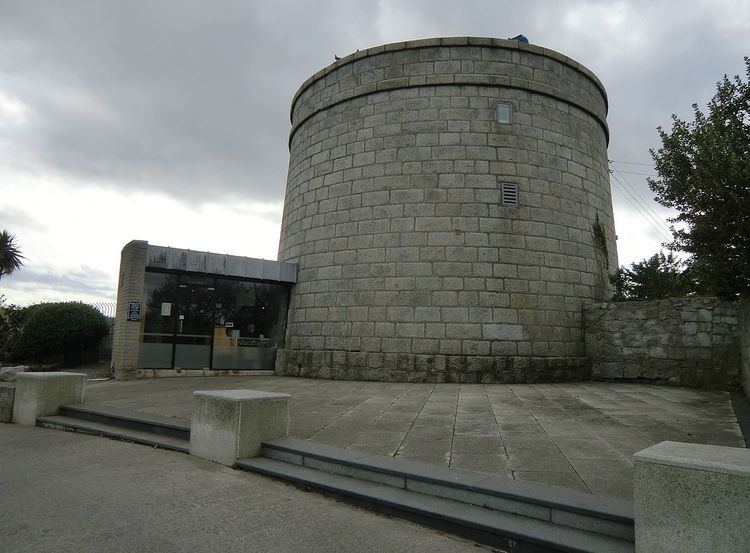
[(194, 322), (157, 339)]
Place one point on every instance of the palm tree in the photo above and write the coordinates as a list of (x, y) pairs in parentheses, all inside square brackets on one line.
[(10, 255)]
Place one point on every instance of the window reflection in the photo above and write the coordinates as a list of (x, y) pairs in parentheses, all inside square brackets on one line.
[(249, 326), (199, 321)]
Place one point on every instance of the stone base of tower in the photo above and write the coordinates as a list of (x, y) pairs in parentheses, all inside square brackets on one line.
[(408, 367)]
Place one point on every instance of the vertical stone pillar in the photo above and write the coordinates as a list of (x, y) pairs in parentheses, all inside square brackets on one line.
[(232, 424), (691, 497), (126, 339), (40, 394)]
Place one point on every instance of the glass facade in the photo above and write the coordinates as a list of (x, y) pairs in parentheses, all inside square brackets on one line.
[(211, 322)]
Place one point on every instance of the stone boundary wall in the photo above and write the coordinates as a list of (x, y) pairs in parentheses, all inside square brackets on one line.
[(743, 311), (680, 341)]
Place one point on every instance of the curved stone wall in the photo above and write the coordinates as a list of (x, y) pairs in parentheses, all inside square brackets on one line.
[(410, 265)]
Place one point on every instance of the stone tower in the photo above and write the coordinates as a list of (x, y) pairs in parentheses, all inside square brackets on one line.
[(448, 203)]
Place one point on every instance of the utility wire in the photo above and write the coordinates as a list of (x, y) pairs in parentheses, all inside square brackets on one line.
[(636, 173), (639, 207), (623, 193), (644, 202), (647, 210), (631, 194), (631, 163)]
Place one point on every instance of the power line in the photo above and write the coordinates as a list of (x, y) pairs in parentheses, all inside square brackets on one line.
[(641, 208), (644, 202), (636, 200), (636, 173), (647, 209), (631, 162), (623, 192)]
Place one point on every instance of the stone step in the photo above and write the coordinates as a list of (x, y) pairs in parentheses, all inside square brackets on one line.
[(134, 420), (568, 508), (511, 532), (63, 422)]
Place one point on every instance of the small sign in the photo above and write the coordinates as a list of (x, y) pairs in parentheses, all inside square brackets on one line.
[(134, 311), (166, 309), (229, 325)]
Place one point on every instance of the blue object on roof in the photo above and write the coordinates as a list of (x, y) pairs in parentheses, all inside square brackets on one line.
[(520, 38)]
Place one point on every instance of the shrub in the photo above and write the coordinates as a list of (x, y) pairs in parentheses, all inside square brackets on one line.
[(64, 330), (10, 322)]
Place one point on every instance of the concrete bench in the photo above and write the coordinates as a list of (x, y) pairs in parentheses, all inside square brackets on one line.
[(231, 424), (41, 394), (691, 497)]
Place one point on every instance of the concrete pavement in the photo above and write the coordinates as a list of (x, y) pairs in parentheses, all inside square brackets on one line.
[(72, 493), (577, 435)]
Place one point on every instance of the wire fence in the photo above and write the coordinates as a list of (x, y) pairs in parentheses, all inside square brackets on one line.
[(108, 309)]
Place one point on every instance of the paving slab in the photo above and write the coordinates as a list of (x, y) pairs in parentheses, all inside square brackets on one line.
[(68, 492), (580, 436)]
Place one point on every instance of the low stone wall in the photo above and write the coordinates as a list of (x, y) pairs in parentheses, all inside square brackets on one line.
[(7, 391), (407, 367), (744, 316), (680, 341)]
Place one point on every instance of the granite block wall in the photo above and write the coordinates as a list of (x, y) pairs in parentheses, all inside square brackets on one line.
[(680, 341), (411, 266), (743, 310), (126, 335), (7, 393)]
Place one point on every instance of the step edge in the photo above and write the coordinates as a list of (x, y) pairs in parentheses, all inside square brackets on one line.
[(615, 510), (520, 507), (132, 416), (529, 537), (50, 422)]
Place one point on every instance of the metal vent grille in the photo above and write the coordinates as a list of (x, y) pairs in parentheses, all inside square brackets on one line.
[(510, 194)]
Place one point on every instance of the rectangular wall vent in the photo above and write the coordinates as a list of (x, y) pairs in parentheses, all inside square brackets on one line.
[(510, 194)]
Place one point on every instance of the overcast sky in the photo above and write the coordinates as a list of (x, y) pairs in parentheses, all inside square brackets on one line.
[(168, 121)]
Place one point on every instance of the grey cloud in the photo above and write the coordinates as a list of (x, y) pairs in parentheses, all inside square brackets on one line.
[(191, 98), (654, 58), (186, 98), (13, 219), (86, 280)]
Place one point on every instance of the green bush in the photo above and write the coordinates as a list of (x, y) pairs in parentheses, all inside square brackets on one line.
[(66, 331), (10, 322)]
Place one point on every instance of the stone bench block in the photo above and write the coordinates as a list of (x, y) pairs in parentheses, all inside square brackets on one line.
[(41, 394), (691, 497), (231, 424)]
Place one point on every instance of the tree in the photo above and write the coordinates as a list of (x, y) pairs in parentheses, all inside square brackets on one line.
[(10, 255), (658, 277), (704, 173)]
